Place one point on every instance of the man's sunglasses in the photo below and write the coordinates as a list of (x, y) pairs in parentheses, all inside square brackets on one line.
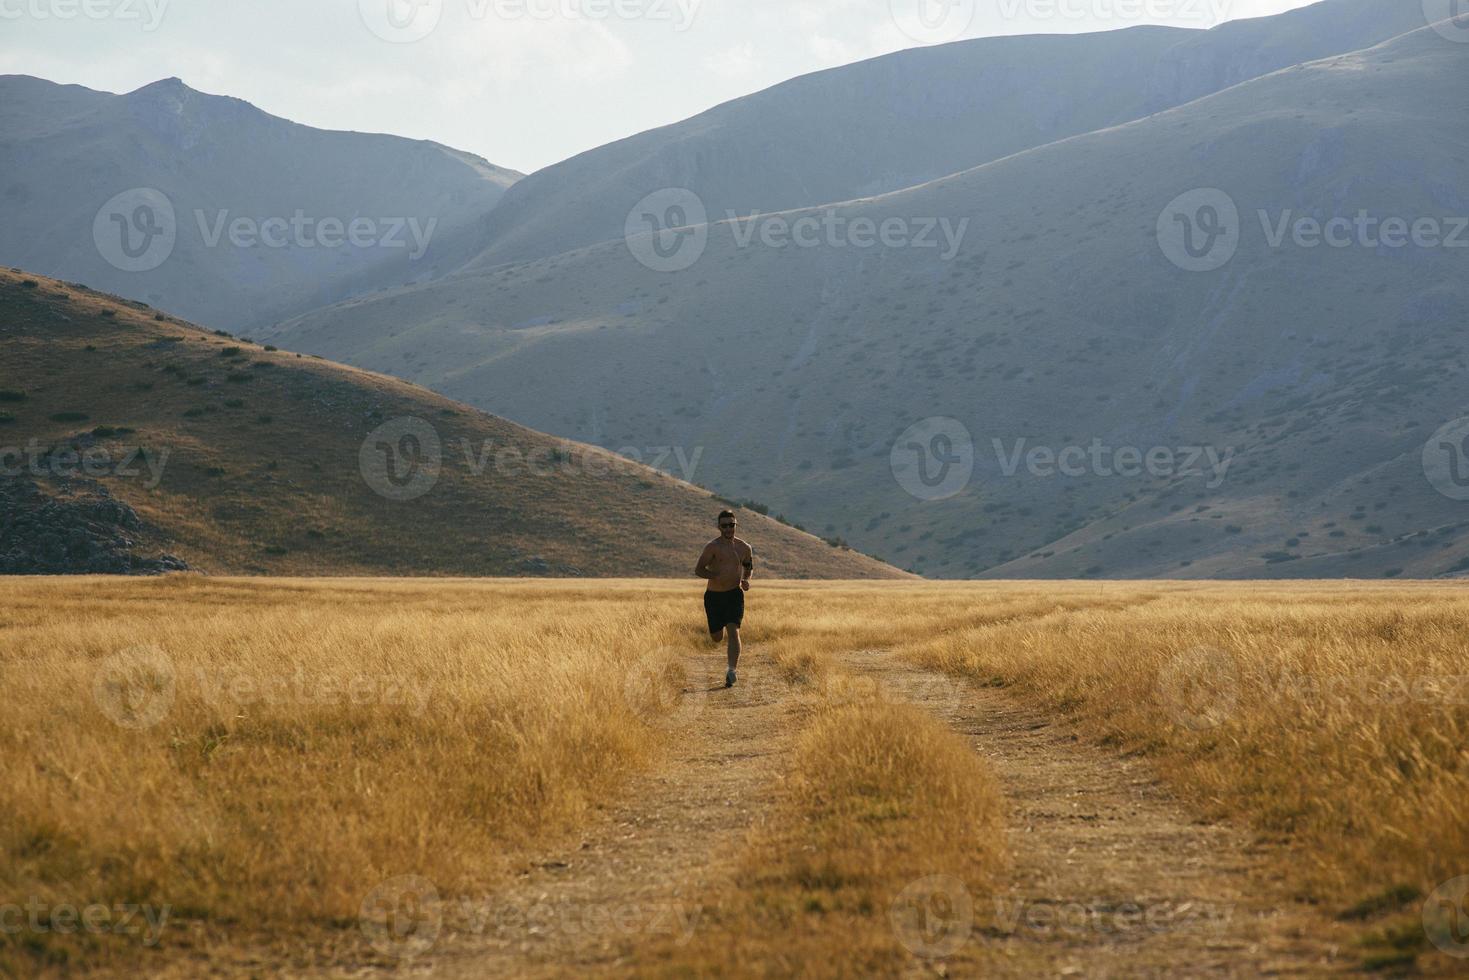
[(725, 527)]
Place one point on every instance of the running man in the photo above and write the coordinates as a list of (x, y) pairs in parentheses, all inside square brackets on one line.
[(727, 562)]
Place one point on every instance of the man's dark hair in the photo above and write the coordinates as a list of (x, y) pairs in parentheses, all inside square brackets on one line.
[(726, 513)]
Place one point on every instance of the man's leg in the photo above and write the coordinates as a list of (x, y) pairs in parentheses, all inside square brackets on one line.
[(734, 647), (717, 636)]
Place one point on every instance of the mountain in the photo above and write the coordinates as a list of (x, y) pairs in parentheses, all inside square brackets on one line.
[(208, 207), (914, 116), (1066, 317), (132, 441)]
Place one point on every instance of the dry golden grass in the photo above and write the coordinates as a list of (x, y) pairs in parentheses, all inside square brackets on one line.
[(886, 819), (1331, 715), (318, 737)]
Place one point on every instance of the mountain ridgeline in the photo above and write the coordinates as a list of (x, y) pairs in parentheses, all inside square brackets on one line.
[(212, 209), (1146, 303), (914, 116), (1133, 408)]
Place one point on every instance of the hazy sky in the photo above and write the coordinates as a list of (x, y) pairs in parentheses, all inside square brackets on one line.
[(522, 82)]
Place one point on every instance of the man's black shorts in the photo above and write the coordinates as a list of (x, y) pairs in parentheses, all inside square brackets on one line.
[(724, 609)]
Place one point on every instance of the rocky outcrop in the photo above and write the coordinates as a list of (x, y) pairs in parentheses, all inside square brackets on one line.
[(87, 532)]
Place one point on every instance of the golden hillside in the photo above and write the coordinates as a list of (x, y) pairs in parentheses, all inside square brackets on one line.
[(259, 461)]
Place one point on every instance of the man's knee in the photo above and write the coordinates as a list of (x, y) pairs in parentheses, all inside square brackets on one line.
[(717, 635)]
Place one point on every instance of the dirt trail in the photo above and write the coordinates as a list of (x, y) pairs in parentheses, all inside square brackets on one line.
[(1111, 876), (644, 869)]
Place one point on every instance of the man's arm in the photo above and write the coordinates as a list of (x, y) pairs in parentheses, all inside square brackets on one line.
[(749, 564), (702, 568)]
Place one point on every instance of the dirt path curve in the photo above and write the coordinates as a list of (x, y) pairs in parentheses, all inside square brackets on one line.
[(1111, 876), (643, 869)]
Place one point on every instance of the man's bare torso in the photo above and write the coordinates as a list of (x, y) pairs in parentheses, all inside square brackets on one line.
[(726, 563)]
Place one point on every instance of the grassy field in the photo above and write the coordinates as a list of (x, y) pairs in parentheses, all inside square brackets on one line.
[(251, 757)]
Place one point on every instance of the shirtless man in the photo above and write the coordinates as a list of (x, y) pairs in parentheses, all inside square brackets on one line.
[(727, 562)]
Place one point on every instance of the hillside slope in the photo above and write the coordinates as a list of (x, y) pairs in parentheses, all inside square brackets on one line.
[(67, 153), (1059, 321), (913, 116), (263, 462)]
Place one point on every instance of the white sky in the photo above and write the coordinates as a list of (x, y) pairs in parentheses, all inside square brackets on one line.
[(524, 83)]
